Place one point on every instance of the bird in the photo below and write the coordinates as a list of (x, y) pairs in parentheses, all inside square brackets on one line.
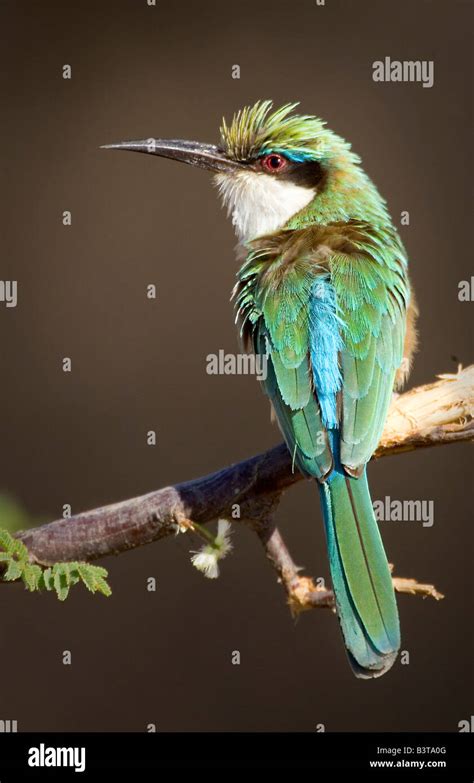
[(323, 294)]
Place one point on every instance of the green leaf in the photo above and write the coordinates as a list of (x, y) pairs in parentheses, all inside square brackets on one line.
[(6, 540), (94, 578), (87, 576), (46, 580), (13, 571), (60, 579), (103, 586), (31, 576), (18, 548)]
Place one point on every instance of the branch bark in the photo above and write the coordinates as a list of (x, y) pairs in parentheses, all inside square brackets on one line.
[(435, 414)]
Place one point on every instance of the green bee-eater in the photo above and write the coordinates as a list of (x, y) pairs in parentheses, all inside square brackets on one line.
[(323, 292)]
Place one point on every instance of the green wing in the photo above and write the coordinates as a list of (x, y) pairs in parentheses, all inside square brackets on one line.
[(372, 298), (371, 290)]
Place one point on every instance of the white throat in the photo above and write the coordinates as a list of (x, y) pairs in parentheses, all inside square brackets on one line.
[(260, 203)]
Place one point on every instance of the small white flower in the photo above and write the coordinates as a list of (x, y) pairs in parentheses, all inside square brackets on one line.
[(206, 559)]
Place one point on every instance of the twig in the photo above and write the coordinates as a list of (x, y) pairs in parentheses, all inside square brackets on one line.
[(303, 594)]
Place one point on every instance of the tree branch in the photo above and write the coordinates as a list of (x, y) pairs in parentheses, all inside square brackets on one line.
[(435, 414)]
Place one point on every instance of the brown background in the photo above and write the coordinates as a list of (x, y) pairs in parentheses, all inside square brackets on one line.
[(138, 71)]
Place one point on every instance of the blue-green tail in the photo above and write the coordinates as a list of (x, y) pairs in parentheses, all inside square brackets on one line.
[(361, 578)]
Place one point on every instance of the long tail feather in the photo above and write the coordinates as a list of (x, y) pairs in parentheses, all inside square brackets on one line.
[(365, 600)]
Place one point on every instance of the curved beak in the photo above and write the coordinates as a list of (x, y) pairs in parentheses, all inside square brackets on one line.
[(205, 156)]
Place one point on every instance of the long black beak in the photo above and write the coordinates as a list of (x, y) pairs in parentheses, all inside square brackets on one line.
[(205, 156)]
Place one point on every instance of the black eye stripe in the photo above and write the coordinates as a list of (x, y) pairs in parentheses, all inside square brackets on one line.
[(307, 174)]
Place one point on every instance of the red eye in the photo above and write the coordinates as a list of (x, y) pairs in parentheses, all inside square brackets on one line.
[(274, 162)]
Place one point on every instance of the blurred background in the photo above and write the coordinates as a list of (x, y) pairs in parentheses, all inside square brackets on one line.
[(80, 438)]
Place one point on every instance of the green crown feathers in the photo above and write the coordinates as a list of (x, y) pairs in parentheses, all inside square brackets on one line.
[(256, 130)]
